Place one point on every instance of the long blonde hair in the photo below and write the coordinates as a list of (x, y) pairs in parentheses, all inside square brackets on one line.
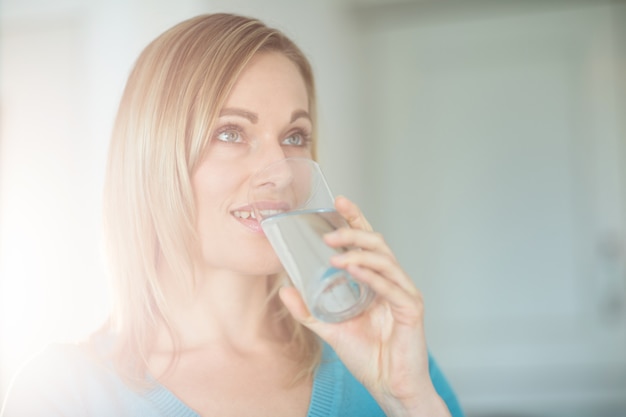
[(170, 104)]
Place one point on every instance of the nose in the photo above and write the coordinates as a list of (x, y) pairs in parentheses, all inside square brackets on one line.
[(272, 188), (269, 170), (276, 174)]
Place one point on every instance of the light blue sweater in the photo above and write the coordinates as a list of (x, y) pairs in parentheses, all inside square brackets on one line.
[(65, 380)]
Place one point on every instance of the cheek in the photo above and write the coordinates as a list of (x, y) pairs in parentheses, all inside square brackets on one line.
[(211, 212), (217, 188), (298, 152), (212, 207), (216, 192)]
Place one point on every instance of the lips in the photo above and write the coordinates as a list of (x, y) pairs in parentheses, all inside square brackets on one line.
[(247, 215)]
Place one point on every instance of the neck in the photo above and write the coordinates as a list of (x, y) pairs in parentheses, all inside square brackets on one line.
[(221, 307)]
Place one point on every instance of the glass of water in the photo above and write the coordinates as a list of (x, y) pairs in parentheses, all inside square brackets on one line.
[(295, 207)]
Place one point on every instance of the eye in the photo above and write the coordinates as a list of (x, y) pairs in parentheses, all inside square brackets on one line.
[(296, 139), (229, 135)]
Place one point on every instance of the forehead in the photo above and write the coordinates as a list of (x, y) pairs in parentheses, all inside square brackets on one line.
[(270, 78)]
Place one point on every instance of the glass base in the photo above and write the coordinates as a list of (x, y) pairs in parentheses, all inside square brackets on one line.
[(339, 297)]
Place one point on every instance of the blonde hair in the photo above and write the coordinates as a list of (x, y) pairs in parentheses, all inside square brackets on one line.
[(171, 101)]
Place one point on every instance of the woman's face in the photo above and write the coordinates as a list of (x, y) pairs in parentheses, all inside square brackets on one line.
[(265, 119)]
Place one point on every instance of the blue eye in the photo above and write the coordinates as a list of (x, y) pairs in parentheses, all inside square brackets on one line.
[(229, 136), (297, 139)]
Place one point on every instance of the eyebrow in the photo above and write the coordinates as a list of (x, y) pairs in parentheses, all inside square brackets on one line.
[(254, 118), (298, 114)]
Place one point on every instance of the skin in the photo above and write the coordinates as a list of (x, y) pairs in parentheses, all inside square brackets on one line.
[(233, 356)]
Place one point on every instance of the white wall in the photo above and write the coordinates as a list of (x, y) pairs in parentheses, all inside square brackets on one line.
[(495, 132)]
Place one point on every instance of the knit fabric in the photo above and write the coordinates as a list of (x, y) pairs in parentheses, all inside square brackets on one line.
[(64, 380)]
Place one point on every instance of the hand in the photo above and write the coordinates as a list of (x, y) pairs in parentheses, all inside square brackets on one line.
[(385, 347)]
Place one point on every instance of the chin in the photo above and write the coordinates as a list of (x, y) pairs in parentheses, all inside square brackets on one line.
[(267, 267), (260, 264), (244, 258)]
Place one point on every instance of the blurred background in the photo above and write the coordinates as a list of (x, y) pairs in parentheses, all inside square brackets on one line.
[(485, 139)]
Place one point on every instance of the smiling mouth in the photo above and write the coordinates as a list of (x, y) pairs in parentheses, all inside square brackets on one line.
[(244, 214)]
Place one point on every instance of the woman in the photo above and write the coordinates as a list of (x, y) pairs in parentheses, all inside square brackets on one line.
[(201, 323)]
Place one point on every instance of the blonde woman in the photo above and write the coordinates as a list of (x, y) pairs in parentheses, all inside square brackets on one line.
[(201, 325)]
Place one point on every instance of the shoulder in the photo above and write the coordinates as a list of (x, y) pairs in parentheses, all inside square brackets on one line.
[(67, 380), (54, 363), (47, 380)]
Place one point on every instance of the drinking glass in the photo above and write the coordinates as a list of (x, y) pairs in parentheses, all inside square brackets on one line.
[(295, 207)]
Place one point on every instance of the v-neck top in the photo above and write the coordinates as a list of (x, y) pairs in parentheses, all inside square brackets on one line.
[(64, 380)]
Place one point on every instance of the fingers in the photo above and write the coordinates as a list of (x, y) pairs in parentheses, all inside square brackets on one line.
[(385, 267), (373, 263), (356, 238), (407, 305), (374, 255), (352, 213)]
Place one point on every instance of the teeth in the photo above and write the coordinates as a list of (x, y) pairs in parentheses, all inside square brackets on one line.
[(244, 214), (267, 213), (250, 214)]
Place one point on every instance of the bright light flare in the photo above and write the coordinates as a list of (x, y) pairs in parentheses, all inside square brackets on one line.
[(52, 285)]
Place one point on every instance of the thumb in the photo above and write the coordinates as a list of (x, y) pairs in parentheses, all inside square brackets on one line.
[(292, 299)]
